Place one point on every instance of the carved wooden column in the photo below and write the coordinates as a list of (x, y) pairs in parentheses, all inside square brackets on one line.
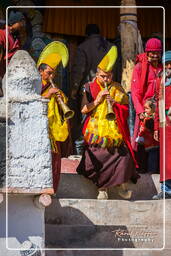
[(128, 20)]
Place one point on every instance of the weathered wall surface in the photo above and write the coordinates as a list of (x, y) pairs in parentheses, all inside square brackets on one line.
[(29, 158)]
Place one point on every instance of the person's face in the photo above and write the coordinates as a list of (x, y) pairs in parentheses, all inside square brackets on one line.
[(17, 26), (168, 65), (154, 56), (104, 77), (147, 108), (168, 68), (47, 74)]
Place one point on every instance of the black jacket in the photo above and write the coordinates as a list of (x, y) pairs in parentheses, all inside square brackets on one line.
[(88, 56)]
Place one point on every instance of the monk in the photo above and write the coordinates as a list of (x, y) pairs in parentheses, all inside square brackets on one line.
[(108, 158)]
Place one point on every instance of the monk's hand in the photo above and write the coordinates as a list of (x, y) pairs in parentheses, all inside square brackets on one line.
[(59, 94), (110, 99), (101, 96), (156, 135), (51, 91), (141, 116)]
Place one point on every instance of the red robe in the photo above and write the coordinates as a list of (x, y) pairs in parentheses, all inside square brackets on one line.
[(148, 133), (13, 46), (143, 87), (165, 155)]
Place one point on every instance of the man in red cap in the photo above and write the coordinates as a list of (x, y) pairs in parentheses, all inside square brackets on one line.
[(16, 22), (143, 87)]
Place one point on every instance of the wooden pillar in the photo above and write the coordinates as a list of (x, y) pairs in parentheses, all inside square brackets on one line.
[(131, 43), (128, 22)]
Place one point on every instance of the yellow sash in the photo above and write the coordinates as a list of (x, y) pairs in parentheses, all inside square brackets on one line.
[(58, 128), (101, 131)]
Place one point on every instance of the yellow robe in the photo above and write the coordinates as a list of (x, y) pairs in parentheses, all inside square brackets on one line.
[(58, 126)]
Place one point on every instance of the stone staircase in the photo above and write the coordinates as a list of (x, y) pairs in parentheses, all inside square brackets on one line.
[(76, 219)]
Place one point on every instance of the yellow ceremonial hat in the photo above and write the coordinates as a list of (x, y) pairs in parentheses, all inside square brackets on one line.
[(108, 60), (53, 54)]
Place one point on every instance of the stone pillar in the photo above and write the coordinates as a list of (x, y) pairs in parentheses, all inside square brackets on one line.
[(28, 165), (29, 152)]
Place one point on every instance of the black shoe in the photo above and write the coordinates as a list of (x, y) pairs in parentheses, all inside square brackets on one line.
[(167, 196), (158, 196), (161, 196)]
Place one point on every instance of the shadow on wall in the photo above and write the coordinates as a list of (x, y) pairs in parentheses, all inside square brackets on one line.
[(68, 227)]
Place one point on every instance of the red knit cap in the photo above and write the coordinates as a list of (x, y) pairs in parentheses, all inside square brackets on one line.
[(153, 45)]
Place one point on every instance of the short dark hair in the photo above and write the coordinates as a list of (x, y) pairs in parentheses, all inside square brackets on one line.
[(42, 66), (92, 29), (152, 103), (14, 17)]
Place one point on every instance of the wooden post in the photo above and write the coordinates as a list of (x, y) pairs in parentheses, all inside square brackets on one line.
[(131, 43), (128, 21)]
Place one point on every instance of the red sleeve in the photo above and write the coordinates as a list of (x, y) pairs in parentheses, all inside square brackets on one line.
[(122, 112), (135, 89), (143, 128), (2, 38), (156, 118)]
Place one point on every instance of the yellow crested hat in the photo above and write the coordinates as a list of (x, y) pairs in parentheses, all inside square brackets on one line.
[(53, 54), (108, 60)]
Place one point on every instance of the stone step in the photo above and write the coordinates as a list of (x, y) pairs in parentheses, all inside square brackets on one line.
[(103, 212), (88, 223), (100, 236), (73, 185), (124, 252)]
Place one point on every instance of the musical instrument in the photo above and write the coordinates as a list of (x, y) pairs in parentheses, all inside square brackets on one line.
[(110, 113), (68, 113)]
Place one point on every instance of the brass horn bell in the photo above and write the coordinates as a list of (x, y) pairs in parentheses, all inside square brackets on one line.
[(67, 112)]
